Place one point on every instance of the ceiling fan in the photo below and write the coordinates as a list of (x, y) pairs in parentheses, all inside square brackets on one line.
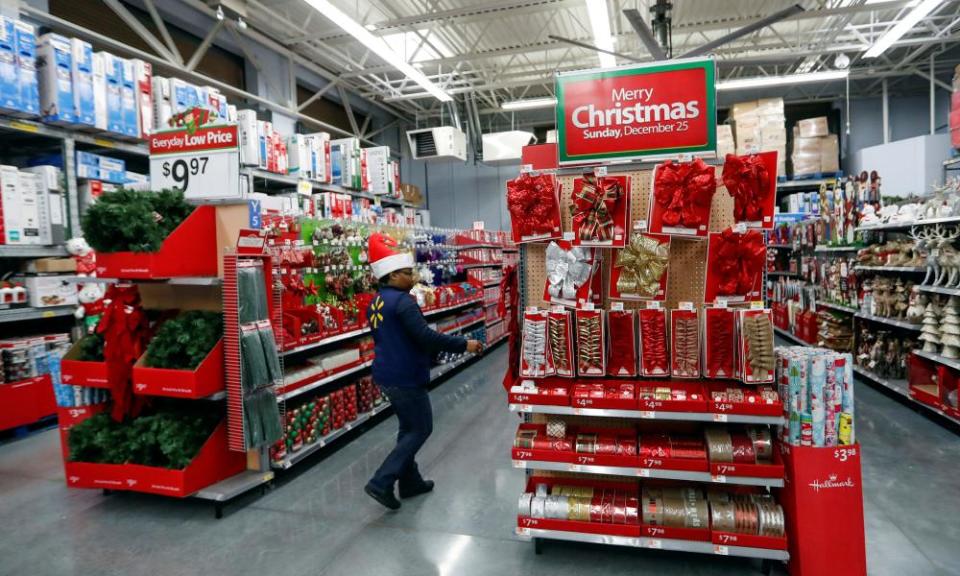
[(659, 40)]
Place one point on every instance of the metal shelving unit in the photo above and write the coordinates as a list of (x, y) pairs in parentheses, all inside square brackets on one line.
[(938, 290), (788, 336), (16, 251), (285, 182), (914, 269), (950, 362), (837, 248), (839, 307), (782, 273), (654, 543), (908, 224), (889, 321), (299, 455), (326, 341), (323, 381), (21, 314), (646, 414), (637, 472)]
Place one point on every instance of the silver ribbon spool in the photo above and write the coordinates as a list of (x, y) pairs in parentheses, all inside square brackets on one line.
[(525, 501)]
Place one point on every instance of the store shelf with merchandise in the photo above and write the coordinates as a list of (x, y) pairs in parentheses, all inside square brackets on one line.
[(267, 181)]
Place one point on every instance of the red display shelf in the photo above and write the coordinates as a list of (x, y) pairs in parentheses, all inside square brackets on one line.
[(212, 464), (196, 236), (26, 401), (80, 372), (207, 379), (316, 380)]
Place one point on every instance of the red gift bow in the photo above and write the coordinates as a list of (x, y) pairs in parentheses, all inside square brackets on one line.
[(125, 333), (748, 181), (681, 189), (738, 261), (532, 202), (593, 206)]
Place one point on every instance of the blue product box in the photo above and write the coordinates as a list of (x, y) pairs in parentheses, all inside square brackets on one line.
[(82, 74), (27, 69), (9, 87), (56, 86), (335, 164), (114, 76), (128, 98)]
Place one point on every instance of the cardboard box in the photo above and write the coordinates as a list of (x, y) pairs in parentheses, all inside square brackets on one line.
[(29, 208), (249, 140), (350, 175), (298, 156), (378, 170), (128, 98), (54, 64), (81, 73), (47, 291), (143, 88), (99, 76), (53, 204), (216, 102), (830, 154), (9, 84), (725, 142), (744, 108), (26, 52), (90, 190), (320, 156), (113, 71), (770, 106), (162, 107), (11, 229), (50, 266), (813, 127)]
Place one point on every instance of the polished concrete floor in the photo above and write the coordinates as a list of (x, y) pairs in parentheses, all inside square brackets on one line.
[(318, 520)]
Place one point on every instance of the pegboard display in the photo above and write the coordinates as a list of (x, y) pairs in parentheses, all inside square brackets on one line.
[(688, 255)]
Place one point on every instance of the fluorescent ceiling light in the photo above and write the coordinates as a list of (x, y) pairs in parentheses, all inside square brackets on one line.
[(763, 81), (600, 24), (903, 26), (377, 46), (529, 104)]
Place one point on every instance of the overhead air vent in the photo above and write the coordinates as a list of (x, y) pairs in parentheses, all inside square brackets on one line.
[(441, 143)]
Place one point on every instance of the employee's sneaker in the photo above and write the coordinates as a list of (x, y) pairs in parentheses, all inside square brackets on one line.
[(385, 498), (423, 488)]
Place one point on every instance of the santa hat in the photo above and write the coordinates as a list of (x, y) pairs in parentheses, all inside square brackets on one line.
[(384, 258)]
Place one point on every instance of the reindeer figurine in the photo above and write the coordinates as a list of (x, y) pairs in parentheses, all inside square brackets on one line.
[(925, 243), (946, 255)]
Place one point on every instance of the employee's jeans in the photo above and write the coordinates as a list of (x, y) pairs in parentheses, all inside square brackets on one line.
[(412, 406)]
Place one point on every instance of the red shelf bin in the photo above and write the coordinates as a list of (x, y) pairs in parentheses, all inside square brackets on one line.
[(67, 418), (671, 533), (949, 380), (610, 401), (196, 236), (207, 379), (626, 530), (26, 401), (212, 464), (75, 372), (688, 405), (759, 408), (553, 398), (320, 376), (924, 378), (773, 470), (748, 540)]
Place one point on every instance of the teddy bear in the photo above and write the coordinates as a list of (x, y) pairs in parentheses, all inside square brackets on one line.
[(84, 255), (91, 306)]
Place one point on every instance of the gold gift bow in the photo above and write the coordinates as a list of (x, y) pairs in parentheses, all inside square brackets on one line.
[(642, 263)]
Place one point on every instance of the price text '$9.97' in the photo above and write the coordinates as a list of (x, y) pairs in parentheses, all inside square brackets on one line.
[(181, 170)]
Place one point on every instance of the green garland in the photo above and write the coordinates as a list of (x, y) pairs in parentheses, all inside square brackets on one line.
[(90, 348), (165, 439), (183, 342), (133, 220)]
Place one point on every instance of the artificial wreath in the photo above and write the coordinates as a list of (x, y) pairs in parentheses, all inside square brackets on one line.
[(90, 348), (184, 341), (134, 220)]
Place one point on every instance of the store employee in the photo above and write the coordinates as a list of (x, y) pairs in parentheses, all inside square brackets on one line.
[(404, 346)]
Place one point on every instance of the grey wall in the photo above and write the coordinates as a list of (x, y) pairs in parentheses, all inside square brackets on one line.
[(461, 193), (909, 117)]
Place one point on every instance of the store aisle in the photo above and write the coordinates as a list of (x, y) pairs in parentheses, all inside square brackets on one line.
[(318, 520)]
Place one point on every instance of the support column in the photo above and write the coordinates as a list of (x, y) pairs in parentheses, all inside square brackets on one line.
[(933, 97), (886, 113)]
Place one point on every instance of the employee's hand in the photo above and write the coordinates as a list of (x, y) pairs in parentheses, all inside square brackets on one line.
[(474, 346)]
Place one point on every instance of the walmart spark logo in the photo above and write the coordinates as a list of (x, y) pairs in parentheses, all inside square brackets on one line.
[(376, 312)]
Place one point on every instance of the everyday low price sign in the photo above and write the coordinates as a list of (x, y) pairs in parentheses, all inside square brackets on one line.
[(659, 109), (203, 162)]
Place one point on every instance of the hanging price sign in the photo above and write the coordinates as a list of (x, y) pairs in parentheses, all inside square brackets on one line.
[(203, 162)]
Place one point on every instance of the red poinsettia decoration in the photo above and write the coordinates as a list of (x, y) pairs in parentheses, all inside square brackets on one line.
[(683, 190), (748, 181)]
